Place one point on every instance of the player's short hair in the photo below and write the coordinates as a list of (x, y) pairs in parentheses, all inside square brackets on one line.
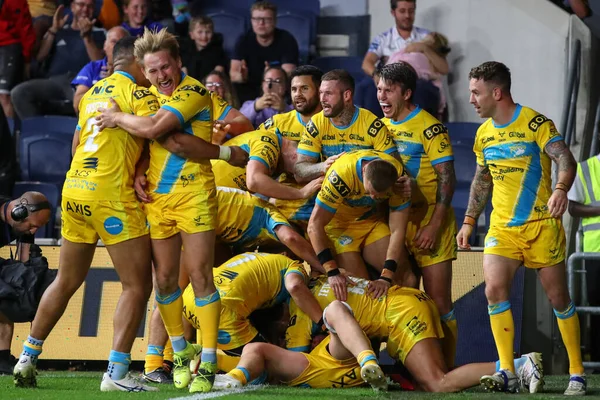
[(153, 42), (381, 174), (494, 72), (342, 76), (201, 20), (123, 50), (308, 70), (400, 73), (264, 5), (394, 3)]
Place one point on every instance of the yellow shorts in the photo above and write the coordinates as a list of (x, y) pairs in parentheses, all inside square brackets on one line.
[(84, 221), (412, 316), (353, 236), (234, 330), (295, 211), (446, 248), (261, 230), (191, 212), (324, 371), (537, 244)]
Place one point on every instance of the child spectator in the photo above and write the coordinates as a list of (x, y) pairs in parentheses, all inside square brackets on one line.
[(136, 18), (203, 51)]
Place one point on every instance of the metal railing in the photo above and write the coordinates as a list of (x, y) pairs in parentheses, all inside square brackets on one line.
[(571, 274), (567, 127)]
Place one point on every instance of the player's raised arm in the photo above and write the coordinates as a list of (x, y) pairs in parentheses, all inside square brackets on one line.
[(481, 188), (196, 149), (567, 169), (260, 181)]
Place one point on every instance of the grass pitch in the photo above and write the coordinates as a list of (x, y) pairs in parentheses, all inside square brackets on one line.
[(86, 386)]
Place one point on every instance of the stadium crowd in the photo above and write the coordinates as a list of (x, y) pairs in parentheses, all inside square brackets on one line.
[(348, 211)]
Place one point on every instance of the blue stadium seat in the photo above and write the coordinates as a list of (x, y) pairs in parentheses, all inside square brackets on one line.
[(308, 6), (462, 132), (465, 163), (351, 64), (45, 157), (231, 23), (49, 124), (460, 201), (300, 26), (52, 192)]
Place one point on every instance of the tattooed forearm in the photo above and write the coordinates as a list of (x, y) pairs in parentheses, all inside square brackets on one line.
[(480, 191), (446, 182), (307, 169), (562, 156)]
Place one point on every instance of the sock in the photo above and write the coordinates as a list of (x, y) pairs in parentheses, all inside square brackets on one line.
[(503, 328), (568, 324), (154, 358), (367, 357), (32, 348), (518, 363), (118, 365), (241, 374), (168, 354), (171, 307), (226, 362), (208, 310), (450, 327)]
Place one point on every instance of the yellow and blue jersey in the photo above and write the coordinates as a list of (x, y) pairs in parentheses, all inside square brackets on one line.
[(322, 139), (262, 146), (243, 218), (169, 173), (422, 142), (520, 169), (103, 165), (220, 107), (251, 281), (288, 125), (343, 190)]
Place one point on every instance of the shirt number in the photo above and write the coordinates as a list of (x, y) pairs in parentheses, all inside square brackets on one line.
[(90, 146)]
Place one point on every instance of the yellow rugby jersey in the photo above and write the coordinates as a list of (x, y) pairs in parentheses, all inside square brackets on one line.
[(220, 107), (262, 146), (289, 125), (169, 173), (521, 170), (422, 142), (251, 281), (322, 139), (242, 217), (103, 165), (343, 190)]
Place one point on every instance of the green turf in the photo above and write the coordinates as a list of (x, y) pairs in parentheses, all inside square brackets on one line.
[(86, 386)]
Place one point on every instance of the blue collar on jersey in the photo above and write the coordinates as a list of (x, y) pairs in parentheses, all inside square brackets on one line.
[(408, 117), (354, 117), (513, 119), (300, 118), (126, 75), (359, 166)]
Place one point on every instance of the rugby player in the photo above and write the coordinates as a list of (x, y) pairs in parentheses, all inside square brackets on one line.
[(346, 216), (515, 148), (98, 201), (424, 145), (226, 119), (183, 207)]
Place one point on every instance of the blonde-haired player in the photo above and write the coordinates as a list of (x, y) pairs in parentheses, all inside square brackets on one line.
[(183, 206)]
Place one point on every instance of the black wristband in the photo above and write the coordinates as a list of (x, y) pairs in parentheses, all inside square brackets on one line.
[(388, 280), (334, 272), (325, 256), (391, 265)]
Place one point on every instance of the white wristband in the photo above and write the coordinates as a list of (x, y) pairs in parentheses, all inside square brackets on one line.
[(224, 153)]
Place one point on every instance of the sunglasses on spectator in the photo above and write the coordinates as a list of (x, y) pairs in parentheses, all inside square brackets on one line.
[(213, 84), (267, 20)]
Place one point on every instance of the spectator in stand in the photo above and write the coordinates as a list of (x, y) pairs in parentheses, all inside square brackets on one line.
[(66, 49), (136, 18), (203, 51), (17, 39), (41, 13), (263, 46), (398, 37), (96, 70), (217, 81), (273, 99)]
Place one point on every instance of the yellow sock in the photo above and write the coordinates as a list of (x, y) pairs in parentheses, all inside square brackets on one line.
[(241, 374), (503, 328), (152, 362), (171, 307), (367, 357), (226, 362), (208, 311), (568, 324), (450, 327), (168, 354)]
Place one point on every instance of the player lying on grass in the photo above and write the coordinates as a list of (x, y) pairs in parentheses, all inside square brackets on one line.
[(408, 319), (246, 283)]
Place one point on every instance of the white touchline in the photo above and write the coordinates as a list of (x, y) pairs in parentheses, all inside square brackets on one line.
[(213, 395)]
